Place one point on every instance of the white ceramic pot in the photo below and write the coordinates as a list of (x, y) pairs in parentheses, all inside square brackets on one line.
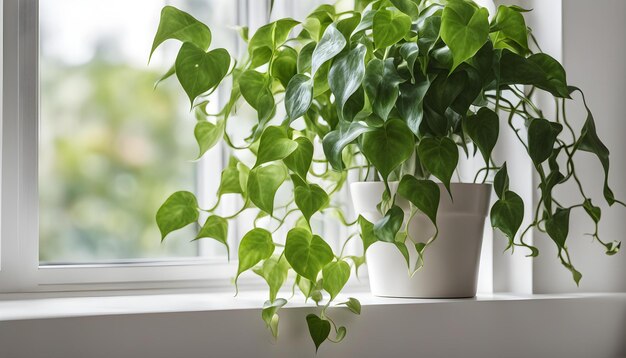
[(450, 263)]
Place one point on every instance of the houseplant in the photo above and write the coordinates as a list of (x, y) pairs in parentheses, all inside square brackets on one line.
[(390, 90)]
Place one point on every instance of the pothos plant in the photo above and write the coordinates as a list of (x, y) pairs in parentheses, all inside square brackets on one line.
[(392, 90)]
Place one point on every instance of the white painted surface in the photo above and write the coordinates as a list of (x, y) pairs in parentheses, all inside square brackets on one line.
[(209, 325)]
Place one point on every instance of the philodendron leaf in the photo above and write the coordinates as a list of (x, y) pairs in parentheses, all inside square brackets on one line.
[(542, 136), (299, 161), (263, 182), (389, 27), (255, 246), (178, 211), (208, 135), (440, 157), (274, 271), (215, 227), (271, 36), (179, 25), (310, 198), (229, 182), (270, 314), (253, 85), (408, 7), (346, 74), (199, 71), (501, 181), (353, 305), (284, 65), (346, 26), (336, 275), (274, 145), (483, 129), (539, 70), (509, 30), (381, 83), (422, 193), (388, 146), (298, 96), (335, 141), (367, 233), (387, 228), (507, 214), (464, 28), (410, 104), (318, 328), (307, 253), (557, 226), (590, 142), (329, 46)]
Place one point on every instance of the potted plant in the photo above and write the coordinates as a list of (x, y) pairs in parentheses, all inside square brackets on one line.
[(390, 92)]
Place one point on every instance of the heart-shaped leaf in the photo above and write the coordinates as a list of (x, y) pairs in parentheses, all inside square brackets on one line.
[(255, 246), (440, 157), (539, 70), (483, 129), (208, 135), (507, 214), (335, 141), (284, 65), (367, 233), (330, 45), (274, 271), (270, 314), (310, 198), (229, 182), (299, 161), (318, 328), (542, 136), (199, 71), (557, 226), (389, 27), (307, 253), (410, 104), (346, 74), (336, 275), (353, 305), (408, 7), (509, 30), (388, 146), (263, 182), (422, 193), (381, 83), (274, 145), (178, 211), (464, 28), (298, 96), (215, 227), (179, 25), (501, 181), (387, 228)]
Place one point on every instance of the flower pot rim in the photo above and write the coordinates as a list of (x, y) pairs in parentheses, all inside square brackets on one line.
[(395, 182)]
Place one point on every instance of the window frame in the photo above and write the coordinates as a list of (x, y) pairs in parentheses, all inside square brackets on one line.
[(20, 269)]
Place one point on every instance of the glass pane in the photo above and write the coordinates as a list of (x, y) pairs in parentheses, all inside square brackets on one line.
[(112, 148)]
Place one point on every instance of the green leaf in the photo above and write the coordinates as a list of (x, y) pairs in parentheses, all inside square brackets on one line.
[(208, 135), (388, 146), (335, 141), (263, 182), (284, 65), (304, 57), (229, 182), (381, 83), (464, 28), (318, 328), (440, 157), (199, 71), (428, 34), (307, 253), (215, 227), (298, 96), (557, 226), (590, 142), (310, 198), (329, 46), (367, 21), (367, 233), (274, 145), (254, 85), (346, 26), (274, 271), (353, 305), (336, 275), (501, 181), (594, 212), (483, 129), (408, 7), (539, 70), (299, 161), (389, 27), (346, 74), (271, 35), (507, 214), (422, 193), (270, 314), (410, 104), (179, 25), (341, 334), (178, 211), (509, 30), (255, 246), (542, 136), (387, 228)]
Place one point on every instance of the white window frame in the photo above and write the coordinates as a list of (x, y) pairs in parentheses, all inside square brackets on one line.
[(20, 269)]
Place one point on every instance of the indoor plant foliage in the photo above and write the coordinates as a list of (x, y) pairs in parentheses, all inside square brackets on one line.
[(392, 90)]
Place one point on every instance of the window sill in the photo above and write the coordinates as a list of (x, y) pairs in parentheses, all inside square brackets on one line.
[(197, 324)]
